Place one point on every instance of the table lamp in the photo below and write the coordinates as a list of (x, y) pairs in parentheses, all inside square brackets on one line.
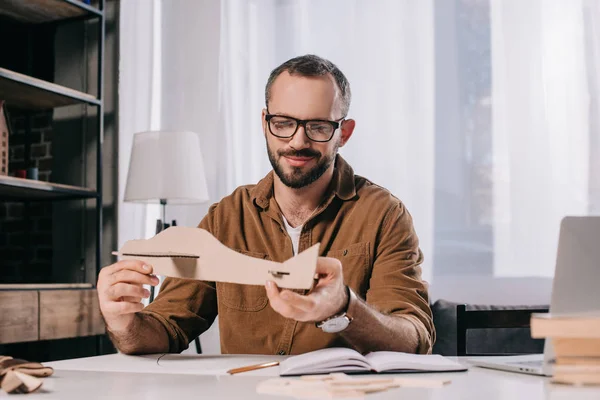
[(166, 167)]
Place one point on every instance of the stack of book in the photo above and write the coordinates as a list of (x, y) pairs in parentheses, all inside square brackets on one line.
[(576, 342)]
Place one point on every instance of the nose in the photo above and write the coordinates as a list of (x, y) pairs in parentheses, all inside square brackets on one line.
[(300, 140)]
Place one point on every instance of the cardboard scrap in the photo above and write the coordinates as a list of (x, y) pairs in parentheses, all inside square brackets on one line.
[(21, 376), (194, 253), (340, 385)]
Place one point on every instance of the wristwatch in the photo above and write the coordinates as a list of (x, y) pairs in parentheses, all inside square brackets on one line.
[(339, 322)]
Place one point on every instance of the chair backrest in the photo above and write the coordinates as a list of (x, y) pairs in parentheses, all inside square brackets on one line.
[(489, 319)]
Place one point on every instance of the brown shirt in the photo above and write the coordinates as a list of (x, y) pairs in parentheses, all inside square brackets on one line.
[(361, 224)]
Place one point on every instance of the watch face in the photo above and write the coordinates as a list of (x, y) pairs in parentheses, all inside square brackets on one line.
[(335, 324)]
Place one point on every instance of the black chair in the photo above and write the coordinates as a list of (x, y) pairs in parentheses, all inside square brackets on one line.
[(489, 319)]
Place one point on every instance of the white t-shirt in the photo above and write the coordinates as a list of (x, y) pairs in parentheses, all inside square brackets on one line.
[(294, 234)]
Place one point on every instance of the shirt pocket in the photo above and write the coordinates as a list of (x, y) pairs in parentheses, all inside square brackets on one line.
[(238, 297), (355, 264)]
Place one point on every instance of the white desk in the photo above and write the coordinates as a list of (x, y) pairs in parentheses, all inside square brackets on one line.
[(179, 377)]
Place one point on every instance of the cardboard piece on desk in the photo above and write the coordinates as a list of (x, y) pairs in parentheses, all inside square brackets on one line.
[(21, 376), (18, 382), (194, 253), (339, 385)]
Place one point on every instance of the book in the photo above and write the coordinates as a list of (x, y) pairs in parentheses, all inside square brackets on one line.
[(578, 325), (577, 379), (576, 341), (340, 359), (577, 361), (576, 347), (576, 374)]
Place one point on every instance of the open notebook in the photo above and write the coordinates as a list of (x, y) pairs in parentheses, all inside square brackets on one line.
[(347, 360)]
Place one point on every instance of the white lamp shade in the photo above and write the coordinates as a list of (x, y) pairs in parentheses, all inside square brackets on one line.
[(166, 165)]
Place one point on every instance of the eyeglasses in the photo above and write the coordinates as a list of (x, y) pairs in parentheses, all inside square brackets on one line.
[(316, 130)]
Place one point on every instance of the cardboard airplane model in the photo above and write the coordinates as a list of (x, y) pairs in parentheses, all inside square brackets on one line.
[(194, 253)]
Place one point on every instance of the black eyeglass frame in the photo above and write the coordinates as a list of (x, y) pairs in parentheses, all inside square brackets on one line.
[(303, 122)]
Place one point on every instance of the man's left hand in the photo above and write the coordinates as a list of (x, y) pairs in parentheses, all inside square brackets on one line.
[(328, 297)]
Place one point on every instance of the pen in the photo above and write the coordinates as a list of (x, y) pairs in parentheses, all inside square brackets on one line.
[(253, 367)]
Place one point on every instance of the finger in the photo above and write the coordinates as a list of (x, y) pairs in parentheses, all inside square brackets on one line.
[(328, 266), (271, 288), (119, 290), (277, 303), (131, 299), (134, 277), (135, 265)]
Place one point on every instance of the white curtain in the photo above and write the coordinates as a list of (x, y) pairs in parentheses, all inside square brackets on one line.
[(385, 49), (139, 98), (541, 129), (165, 86), (591, 12), (189, 87)]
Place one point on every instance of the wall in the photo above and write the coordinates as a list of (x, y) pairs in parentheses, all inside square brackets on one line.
[(26, 229)]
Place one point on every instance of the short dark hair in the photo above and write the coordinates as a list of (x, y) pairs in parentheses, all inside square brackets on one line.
[(312, 65)]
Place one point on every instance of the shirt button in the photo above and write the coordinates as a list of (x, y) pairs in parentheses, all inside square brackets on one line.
[(281, 353)]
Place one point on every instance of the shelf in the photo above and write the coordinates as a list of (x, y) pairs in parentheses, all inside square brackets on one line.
[(27, 189), (32, 315), (40, 11), (31, 93), (44, 286)]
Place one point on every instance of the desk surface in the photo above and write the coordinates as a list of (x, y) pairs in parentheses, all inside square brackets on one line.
[(178, 377)]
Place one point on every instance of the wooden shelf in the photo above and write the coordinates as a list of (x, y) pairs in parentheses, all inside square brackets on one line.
[(44, 286), (41, 11), (31, 315), (27, 189), (31, 93)]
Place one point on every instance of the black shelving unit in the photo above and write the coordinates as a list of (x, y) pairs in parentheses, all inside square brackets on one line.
[(18, 189), (46, 11), (28, 93)]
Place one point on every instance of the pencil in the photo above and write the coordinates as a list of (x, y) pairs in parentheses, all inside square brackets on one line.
[(253, 367)]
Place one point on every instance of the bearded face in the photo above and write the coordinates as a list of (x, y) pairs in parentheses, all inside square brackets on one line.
[(299, 168)]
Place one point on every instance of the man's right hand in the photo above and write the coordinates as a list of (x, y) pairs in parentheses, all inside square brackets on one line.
[(120, 292)]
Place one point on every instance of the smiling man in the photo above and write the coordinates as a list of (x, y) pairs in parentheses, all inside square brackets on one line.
[(369, 295)]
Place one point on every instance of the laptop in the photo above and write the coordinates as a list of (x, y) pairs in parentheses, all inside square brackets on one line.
[(575, 289)]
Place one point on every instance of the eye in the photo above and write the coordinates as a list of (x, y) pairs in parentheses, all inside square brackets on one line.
[(320, 128), (282, 123)]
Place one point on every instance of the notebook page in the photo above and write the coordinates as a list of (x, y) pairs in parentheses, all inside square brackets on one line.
[(390, 360), (324, 361)]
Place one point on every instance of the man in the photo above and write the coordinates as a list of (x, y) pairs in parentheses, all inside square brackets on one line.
[(369, 295)]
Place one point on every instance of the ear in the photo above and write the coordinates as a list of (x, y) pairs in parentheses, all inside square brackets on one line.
[(347, 130), (264, 121)]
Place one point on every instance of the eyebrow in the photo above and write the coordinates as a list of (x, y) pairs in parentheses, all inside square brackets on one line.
[(302, 119)]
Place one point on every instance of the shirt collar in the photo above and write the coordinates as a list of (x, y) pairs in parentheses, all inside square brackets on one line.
[(342, 184)]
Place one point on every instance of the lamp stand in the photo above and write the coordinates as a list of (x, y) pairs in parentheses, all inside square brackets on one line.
[(161, 224)]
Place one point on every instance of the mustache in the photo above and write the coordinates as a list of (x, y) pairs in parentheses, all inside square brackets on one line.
[(299, 153)]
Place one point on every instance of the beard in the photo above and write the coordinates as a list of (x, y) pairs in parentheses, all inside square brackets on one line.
[(297, 178)]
